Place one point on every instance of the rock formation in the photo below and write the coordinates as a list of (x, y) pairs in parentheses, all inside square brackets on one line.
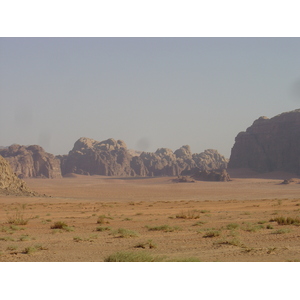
[(31, 161), (269, 145), (10, 183), (90, 157), (112, 158)]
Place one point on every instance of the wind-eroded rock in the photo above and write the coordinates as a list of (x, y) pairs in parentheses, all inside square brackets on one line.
[(10, 183), (31, 161), (90, 157), (112, 158), (269, 145)]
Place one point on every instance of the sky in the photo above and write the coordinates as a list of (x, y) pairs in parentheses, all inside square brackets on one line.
[(148, 92)]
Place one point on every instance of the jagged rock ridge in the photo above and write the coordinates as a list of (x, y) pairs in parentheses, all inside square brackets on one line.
[(31, 161), (269, 145), (112, 158)]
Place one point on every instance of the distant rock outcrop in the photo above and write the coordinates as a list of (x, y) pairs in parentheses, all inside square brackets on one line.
[(213, 175), (31, 161), (112, 158), (90, 157), (269, 145), (10, 183)]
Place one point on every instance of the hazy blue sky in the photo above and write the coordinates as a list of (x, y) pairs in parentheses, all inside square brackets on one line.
[(149, 92)]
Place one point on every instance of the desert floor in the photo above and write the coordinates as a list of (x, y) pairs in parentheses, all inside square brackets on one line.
[(152, 219)]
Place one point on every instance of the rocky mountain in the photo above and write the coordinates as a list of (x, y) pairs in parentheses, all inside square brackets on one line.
[(10, 183), (269, 145), (31, 161), (112, 158)]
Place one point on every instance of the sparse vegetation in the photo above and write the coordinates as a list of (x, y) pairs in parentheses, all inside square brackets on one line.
[(211, 234), (61, 225), (144, 245), (17, 219), (233, 242), (125, 233), (165, 228), (102, 219), (281, 231), (101, 228), (145, 257), (190, 214), (232, 226), (286, 221)]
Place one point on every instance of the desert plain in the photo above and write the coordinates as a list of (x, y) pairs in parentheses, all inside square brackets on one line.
[(252, 218)]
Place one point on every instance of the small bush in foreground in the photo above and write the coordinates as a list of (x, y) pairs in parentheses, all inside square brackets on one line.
[(145, 257), (59, 225), (131, 257), (62, 225), (17, 219)]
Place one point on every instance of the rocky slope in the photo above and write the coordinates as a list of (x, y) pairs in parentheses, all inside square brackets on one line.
[(269, 145), (112, 158), (31, 161), (10, 183)]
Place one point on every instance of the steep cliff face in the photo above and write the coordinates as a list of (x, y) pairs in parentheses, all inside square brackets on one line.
[(31, 161), (10, 183), (269, 144), (112, 158)]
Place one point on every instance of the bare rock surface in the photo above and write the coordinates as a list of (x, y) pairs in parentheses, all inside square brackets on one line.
[(112, 158), (90, 157), (10, 183), (31, 161), (269, 145)]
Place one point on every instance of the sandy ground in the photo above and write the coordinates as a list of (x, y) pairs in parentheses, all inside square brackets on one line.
[(205, 221)]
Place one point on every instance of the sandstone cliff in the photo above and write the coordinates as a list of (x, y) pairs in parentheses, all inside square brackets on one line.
[(10, 183), (90, 157), (31, 161), (269, 145), (112, 158)]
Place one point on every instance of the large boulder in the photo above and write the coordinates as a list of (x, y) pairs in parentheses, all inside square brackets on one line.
[(10, 183), (269, 145), (31, 161)]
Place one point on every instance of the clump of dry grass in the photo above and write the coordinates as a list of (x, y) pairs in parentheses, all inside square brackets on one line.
[(17, 219), (61, 225), (211, 234), (124, 233), (102, 219), (286, 221), (165, 228), (190, 214)]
